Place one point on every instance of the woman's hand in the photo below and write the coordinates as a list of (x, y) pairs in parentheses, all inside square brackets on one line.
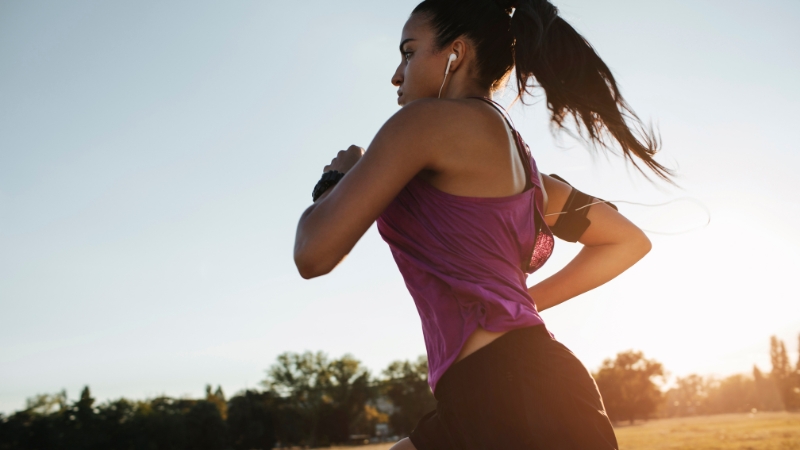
[(345, 159), (611, 245)]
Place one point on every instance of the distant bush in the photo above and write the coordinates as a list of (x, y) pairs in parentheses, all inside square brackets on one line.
[(628, 384)]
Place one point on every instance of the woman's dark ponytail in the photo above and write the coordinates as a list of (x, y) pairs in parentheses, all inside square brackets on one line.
[(576, 82), (530, 36)]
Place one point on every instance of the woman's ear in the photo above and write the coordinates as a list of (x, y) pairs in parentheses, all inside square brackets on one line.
[(459, 48)]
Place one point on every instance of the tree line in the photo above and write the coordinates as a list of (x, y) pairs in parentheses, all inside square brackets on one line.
[(632, 387), (308, 399), (776, 390)]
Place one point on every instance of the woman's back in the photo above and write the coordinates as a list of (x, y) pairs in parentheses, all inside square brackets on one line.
[(483, 161)]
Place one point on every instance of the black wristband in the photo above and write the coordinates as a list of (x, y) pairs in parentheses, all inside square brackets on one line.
[(327, 180)]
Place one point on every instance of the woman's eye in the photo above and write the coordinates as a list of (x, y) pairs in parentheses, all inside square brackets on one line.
[(407, 55)]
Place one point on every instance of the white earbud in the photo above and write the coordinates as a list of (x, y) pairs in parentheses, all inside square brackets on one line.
[(450, 60)]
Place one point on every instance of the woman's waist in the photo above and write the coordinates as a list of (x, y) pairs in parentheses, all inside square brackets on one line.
[(477, 340), (450, 335), (494, 348)]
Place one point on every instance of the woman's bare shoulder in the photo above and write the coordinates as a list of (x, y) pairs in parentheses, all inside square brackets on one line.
[(440, 126), (442, 113)]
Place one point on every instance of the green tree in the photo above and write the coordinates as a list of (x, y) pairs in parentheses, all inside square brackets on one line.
[(319, 398), (694, 395), (83, 407), (116, 418), (797, 365), (204, 426), (689, 396), (50, 422), (161, 423), (303, 380), (218, 399), (783, 375), (795, 379), (405, 383), (735, 393), (38, 426), (779, 359), (767, 394), (367, 419), (349, 392), (84, 431), (251, 421), (627, 384), (45, 404)]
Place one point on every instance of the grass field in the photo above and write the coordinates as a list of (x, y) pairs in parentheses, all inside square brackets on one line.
[(762, 431)]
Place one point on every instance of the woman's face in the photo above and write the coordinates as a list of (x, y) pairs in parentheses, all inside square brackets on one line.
[(421, 68)]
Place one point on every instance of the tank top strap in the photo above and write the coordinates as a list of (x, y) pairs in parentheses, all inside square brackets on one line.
[(531, 170), (544, 242)]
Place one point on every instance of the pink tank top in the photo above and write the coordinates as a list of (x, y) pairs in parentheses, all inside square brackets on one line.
[(465, 260)]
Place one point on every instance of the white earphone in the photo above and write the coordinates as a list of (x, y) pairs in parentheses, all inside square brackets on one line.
[(450, 60)]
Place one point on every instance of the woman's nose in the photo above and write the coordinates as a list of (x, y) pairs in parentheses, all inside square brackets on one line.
[(397, 78)]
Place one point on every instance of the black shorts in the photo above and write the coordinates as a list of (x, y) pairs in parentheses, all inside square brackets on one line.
[(524, 390)]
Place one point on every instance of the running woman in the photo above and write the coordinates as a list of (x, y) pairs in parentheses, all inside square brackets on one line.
[(468, 216)]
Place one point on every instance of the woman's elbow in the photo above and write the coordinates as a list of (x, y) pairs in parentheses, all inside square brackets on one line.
[(309, 271), (308, 267), (311, 265), (642, 244)]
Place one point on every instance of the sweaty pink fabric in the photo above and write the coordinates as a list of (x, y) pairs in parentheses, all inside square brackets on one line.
[(465, 260)]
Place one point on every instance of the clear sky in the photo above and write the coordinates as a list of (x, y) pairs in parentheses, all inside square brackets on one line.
[(155, 157)]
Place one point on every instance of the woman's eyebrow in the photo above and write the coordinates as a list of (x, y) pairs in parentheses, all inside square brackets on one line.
[(404, 43)]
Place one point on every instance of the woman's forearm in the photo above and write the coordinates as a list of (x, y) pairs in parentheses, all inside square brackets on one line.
[(592, 266)]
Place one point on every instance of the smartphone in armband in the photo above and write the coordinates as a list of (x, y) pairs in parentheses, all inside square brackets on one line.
[(572, 221)]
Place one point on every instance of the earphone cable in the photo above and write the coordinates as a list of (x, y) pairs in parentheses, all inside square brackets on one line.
[(693, 200), (440, 88)]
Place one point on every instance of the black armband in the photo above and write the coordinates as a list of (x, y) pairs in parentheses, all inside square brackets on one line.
[(572, 221)]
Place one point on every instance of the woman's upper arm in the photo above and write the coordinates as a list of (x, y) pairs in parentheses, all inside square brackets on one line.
[(555, 193), (607, 226), (405, 145)]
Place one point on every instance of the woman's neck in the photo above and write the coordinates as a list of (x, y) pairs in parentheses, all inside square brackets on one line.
[(461, 87), (465, 93)]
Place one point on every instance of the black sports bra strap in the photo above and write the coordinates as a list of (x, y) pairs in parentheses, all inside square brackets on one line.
[(517, 140), (499, 108)]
